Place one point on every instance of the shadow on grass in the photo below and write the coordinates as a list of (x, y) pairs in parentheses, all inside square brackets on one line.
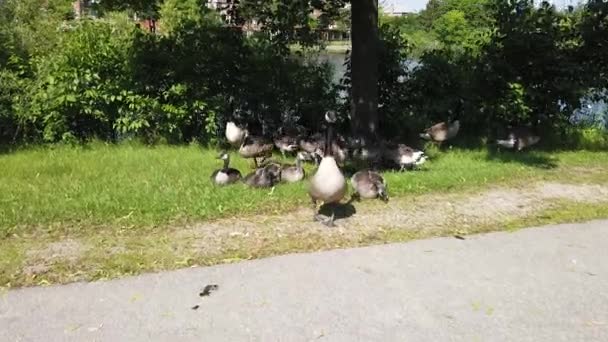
[(532, 159), (340, 210)]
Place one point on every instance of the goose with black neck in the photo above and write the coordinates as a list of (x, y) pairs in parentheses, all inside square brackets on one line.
[(328, 184)]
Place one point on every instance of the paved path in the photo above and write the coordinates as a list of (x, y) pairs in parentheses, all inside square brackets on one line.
[(542, 284)]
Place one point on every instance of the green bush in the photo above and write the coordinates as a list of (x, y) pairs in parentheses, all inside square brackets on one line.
[(204, 74), (78, 88), (532, 69), (8, 122), (490, 65), (108, 80)]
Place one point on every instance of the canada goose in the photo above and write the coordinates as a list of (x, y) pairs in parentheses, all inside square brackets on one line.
[(309, 157), (294, 173), (404, 156), (338, 146), (339, 153), (519, 138), (369, 184), (327, 184), (286, 143), (235, 134), (225, 175), (312, 146), (255, 147), (441, 132), (262, 177)]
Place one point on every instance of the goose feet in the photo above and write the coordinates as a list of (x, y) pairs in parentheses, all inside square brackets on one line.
[(327, 221)]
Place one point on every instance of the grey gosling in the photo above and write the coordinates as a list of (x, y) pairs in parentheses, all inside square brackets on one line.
[(294, 173), (263, 177), (225, 175), (327, 184), (368, 184)]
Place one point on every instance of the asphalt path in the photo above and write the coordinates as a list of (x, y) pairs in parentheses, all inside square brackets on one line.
[(537, 284)]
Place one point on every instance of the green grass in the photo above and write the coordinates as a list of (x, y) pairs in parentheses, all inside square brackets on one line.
[(129, 186), (331, 47)]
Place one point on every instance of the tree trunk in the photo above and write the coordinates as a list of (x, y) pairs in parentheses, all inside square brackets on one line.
[(364, 68)]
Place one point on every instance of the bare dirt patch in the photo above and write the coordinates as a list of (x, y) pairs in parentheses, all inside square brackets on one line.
[(357, 224), (39, 261), (432, 213), (68, 249), (579, 193)]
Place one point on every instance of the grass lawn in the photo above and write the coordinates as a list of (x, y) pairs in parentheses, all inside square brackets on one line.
[(101, 193), (331, 47), (132, 185)]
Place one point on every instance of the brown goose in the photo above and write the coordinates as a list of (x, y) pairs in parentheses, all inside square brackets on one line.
[(519, 138), (225, 175), (256, 147), (441, 132), (369, 184), (327, 184), (404, 156)]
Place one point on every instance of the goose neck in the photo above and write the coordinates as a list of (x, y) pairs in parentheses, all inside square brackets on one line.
[(328, 140)]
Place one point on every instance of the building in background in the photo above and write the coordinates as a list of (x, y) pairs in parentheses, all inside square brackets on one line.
[(84, 8)]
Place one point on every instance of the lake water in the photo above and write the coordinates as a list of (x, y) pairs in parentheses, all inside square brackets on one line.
[(336, 60), (590, 111)]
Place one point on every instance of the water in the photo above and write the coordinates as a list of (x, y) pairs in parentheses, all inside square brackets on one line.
[(335, 60), (594, 112)]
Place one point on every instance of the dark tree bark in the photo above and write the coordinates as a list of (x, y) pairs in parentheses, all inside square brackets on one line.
[(364, 68)]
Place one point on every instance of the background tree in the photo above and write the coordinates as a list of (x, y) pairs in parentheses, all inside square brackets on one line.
[(364, 69)]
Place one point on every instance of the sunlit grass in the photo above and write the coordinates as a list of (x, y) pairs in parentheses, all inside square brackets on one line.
[(134, 185)]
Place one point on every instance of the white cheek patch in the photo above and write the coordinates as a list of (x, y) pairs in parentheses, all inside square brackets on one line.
[(407, 160)]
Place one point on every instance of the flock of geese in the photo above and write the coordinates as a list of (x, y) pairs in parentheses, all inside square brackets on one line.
[(328, 184)]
